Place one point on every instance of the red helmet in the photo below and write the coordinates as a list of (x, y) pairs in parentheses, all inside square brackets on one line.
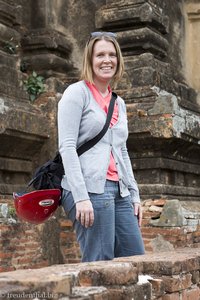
[(37, 206)]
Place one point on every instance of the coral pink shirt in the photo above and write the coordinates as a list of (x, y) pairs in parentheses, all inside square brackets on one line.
[(104, 104)]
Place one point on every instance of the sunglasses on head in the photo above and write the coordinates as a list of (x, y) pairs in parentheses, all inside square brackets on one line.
[(100, 33), (95, 34)]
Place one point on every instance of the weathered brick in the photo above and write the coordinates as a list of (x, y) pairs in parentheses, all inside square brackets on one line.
[(68, 236), (56, 286), (145, 222), (6, 268), (178, 231), (65, 223), (196, 239), (38, 265), (195, 277), (136, 292), (108, 274), (167, 263), (24, 261), (173, 296), (148, 248), (150, 214), (157, 287), (154, 208), (177, 283), (4, 255), (119, 276), (192, 294), (149, 235), (70, 250), (147, 202), (159, 202), (196, 233), (96, 293), (31, 246)]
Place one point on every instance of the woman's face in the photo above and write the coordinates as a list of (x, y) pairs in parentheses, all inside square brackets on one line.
[(104, 61)]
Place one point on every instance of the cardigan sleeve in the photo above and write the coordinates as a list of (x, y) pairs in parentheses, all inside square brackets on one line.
[(70, 109)]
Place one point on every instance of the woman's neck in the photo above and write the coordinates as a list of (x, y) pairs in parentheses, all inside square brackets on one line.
[(102, 88)]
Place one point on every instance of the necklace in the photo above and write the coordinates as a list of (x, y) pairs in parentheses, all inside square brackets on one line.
[(105, 94)]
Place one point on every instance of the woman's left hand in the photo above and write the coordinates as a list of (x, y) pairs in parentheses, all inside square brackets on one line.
[(138, 212)]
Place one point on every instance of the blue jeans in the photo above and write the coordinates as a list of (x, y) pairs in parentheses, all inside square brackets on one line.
[(115, 232)]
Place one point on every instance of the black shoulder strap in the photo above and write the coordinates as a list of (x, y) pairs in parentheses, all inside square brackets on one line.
[(97, 138), (57, 159)]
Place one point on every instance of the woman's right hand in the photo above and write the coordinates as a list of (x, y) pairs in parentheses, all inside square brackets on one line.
[(85, 213)]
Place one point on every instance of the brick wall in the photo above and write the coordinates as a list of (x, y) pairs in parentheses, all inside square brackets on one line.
[(167, 225), (20, 243), (68, 243), (24, 245), (20, 248), (172, 275), (170, 224)]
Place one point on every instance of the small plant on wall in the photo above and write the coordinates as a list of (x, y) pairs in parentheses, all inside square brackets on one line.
[(34, 85), (11, 46), (12, 212)]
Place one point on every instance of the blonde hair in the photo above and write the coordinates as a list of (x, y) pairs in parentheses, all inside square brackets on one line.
[(87, 72)]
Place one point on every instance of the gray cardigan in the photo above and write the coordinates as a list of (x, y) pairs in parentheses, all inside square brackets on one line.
[(80, 118)]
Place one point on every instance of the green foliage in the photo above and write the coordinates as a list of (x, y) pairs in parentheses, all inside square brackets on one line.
[(34, 85), (12, 212)]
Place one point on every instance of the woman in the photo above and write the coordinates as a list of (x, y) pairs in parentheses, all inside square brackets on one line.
[(100, 194)]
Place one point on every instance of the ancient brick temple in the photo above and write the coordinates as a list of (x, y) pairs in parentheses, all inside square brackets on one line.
[(161, 44)]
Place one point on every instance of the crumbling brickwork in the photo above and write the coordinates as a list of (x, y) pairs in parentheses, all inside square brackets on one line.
[(168, 225), (162, 99), (167, 276)]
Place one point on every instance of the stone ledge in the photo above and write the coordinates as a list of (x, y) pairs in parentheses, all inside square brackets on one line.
[(144, 12), (117, 278), (10, 14), (166, 263)]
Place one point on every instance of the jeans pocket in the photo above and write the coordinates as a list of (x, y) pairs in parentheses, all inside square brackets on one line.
[(101, 201)]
